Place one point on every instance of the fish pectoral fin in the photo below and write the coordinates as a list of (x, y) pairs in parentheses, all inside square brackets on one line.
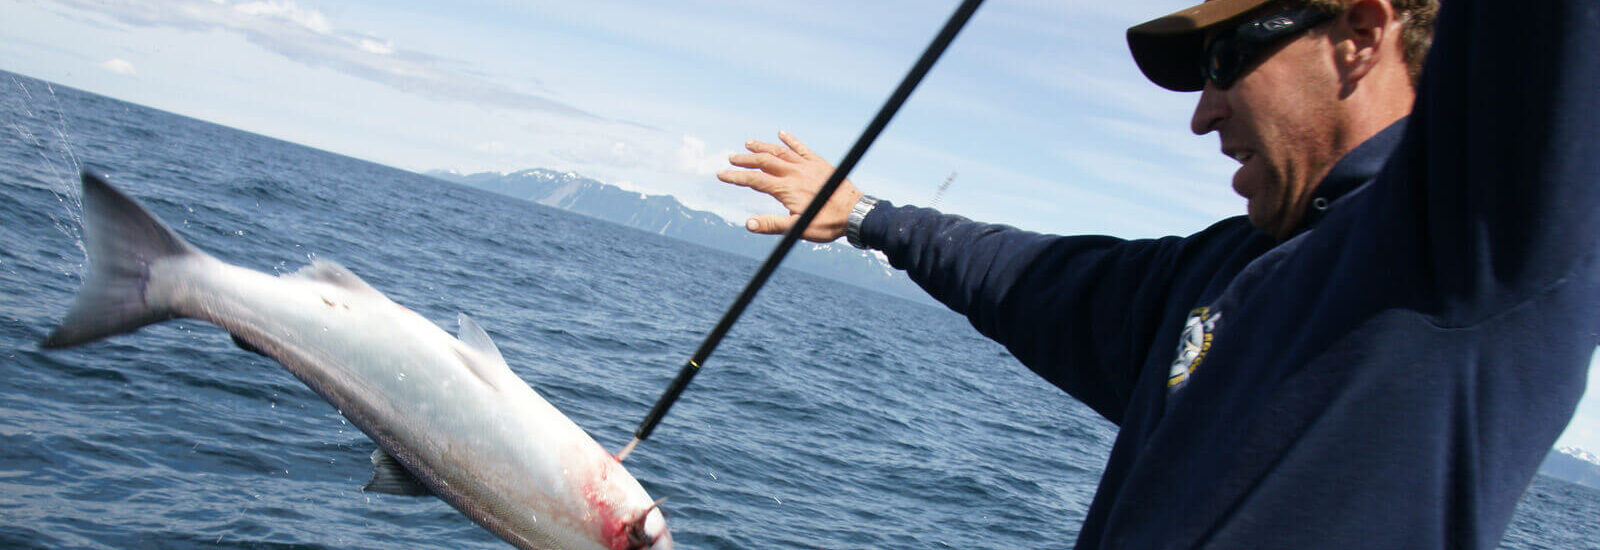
[(391, 477)]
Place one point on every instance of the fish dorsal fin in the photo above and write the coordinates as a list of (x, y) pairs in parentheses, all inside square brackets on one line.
[(487, 361), (476, 338), (392, 478), (336, 275)]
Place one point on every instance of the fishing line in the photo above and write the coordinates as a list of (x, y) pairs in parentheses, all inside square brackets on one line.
[(870, 134)]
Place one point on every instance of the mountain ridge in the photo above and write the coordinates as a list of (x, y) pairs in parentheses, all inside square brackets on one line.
[(665, 215), (1573, 465)]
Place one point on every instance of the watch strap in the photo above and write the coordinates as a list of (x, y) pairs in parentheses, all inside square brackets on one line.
[(852, 225)]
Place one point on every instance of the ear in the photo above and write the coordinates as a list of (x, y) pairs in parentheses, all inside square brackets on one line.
[(1360, 37)]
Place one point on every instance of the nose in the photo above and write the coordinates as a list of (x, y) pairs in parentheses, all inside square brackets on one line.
[(1209, 111)]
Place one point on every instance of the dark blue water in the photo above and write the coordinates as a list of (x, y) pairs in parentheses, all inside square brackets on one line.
[(831, 417)]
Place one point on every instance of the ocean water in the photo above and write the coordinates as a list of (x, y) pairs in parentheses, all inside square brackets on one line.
[(831, 417)]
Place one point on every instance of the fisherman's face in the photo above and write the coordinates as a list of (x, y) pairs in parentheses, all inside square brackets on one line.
[(1278, 121)]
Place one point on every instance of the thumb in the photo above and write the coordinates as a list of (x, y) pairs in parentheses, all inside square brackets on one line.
[(770, 224)]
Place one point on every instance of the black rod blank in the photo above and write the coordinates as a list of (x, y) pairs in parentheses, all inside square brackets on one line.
[(686, 374)]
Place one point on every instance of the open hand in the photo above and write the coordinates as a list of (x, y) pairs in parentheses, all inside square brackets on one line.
[(792, 174)]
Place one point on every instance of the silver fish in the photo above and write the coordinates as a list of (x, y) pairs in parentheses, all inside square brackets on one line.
[(448, 415)]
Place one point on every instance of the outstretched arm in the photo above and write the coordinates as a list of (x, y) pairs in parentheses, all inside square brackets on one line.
[(1080, 311)]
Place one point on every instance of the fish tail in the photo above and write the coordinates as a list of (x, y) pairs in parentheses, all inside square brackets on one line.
[(123, 239)]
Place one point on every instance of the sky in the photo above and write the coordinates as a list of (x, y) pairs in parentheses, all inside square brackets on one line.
[(1037, 110)]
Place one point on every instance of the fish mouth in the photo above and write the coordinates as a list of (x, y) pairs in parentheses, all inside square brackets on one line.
[(639, 538)]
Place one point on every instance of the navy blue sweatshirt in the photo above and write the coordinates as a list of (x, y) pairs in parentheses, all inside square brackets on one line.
[(1389, 377)]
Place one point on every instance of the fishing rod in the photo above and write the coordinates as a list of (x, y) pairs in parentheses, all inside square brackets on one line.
[(870, 134)]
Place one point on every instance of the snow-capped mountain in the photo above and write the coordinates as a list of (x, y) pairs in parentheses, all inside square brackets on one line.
[(664, 215), (1574, 465)]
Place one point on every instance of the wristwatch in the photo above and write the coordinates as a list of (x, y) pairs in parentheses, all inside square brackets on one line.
[(852, 225)]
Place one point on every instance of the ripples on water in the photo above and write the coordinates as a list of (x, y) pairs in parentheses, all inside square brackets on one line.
[(831, 417)]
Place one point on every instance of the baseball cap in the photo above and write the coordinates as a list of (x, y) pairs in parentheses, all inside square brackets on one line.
[(1170, 50)]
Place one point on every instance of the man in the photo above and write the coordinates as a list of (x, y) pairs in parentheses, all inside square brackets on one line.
[(1377, 356)]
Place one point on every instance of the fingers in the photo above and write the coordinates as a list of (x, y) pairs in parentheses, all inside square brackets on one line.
[(773, 149), (795, 144), (792, 174), (766, 162), (758, 181), (770, 224), (792, 149)]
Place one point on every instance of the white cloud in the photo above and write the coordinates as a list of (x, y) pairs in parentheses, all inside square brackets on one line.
[(693, 159), (492, 147), (374, 46), (118, 65), (308, 37), (288, 11)]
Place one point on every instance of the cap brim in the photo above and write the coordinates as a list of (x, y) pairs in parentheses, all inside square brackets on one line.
[(1170, 49)]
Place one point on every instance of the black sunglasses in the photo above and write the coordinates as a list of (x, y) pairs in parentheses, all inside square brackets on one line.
[(1230, 53)]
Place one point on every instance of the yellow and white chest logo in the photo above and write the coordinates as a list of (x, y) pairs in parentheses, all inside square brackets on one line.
[(1198, 331)]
